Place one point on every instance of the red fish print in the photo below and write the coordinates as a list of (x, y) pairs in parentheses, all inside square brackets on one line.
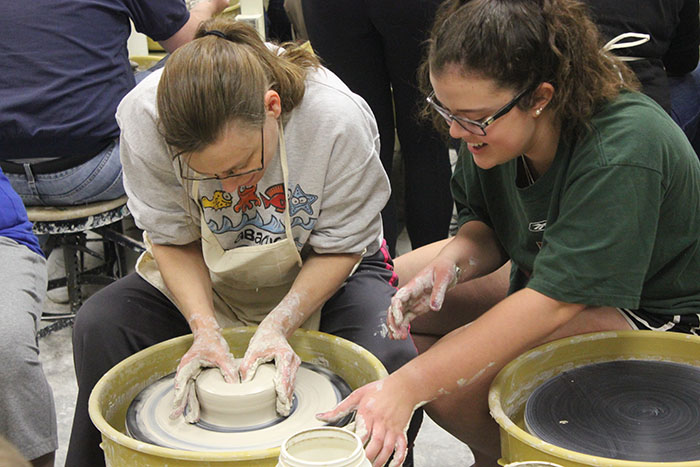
[(274, 196)]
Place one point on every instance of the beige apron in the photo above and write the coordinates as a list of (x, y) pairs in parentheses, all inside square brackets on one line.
[(249, 281)]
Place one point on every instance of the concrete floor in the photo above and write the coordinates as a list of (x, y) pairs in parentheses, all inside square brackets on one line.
[(434, 446)]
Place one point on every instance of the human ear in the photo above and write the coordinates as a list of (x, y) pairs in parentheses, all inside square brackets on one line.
[(273, 103), (541, 98)]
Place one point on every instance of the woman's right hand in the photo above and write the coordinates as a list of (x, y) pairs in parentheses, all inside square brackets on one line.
[(209, 349), (383, 412), (425, 292)]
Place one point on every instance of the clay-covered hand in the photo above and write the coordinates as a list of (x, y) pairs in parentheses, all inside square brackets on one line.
[(209, 349), (269, 343), (384, 411), (425, 292)]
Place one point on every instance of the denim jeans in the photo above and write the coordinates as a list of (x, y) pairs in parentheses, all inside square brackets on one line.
[(99, 179), (685, 105)]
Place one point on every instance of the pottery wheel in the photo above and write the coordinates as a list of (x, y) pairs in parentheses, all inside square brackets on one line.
[(634, 410), (317, 390)]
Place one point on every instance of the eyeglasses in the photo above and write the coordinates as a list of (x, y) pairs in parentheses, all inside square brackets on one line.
[(188, 173), (472, 126)]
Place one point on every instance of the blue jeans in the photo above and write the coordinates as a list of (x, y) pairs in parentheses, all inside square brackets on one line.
[(685, 105), (99, 179)]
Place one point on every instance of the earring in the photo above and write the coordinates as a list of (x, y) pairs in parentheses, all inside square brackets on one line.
[(538, 112)]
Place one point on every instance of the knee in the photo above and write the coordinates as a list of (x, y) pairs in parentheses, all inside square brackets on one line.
[(21, 365), (97, 320), (88, 320), (18, 347), (98, 339), (16, 370)]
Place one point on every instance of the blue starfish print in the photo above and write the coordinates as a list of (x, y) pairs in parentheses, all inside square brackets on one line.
[(301, 201)]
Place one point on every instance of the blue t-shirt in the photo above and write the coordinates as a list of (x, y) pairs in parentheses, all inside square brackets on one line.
[(65, 68), (13, 217)]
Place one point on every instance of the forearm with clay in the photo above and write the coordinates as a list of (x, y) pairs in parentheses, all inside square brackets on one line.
[(187, 278), (472, 253), (320, 277)]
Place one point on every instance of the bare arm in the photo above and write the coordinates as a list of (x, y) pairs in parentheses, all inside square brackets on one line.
[(187, 278), (475, 250), (320, 277), (461, 358), (516, 324), (199, 13)]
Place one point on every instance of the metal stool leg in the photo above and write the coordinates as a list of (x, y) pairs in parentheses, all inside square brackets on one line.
[(72, 255)]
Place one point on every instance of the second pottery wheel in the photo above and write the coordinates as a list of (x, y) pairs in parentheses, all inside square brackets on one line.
[(633, 410)]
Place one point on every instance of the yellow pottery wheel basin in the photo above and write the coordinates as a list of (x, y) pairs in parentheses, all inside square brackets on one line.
[(114, 392), (517, 380)]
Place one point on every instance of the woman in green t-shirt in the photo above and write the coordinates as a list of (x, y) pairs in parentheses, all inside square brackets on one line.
[(567, 175)]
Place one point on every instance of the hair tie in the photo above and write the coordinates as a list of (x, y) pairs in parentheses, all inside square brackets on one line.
[(216, 33)]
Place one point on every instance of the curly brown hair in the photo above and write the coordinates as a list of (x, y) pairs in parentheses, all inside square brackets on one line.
[(213, 80), (521, 43)]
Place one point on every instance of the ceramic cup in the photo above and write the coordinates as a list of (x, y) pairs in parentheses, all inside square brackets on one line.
[(323, 446)]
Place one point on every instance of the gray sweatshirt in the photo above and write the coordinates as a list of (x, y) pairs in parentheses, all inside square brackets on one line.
[(337, 185)]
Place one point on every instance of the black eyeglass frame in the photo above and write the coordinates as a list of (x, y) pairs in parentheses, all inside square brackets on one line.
[(185, 169), (479, 128)]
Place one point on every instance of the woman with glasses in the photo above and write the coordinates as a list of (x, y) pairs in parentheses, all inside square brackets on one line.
[(583, 185), (255, 175)]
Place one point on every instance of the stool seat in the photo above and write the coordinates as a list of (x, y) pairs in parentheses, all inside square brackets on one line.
[(67, 219)]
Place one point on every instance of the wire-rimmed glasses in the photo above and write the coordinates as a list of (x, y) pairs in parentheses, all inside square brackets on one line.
[(188, 173)]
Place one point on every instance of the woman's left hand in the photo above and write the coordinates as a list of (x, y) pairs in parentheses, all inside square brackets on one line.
[(384, 410), (424, 293), (269, 343)]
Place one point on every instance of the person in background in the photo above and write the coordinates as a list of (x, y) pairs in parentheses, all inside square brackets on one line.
[(279, 29), (27, 412), (256, 177), (65, 69), (375, 47), (666, 63), (295, 15), (685, 105), (586, 186)]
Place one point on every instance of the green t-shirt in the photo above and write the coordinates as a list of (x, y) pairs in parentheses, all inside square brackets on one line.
[(615, 221)]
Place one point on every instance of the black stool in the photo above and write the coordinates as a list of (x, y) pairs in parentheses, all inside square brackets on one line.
[(67, 228)]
